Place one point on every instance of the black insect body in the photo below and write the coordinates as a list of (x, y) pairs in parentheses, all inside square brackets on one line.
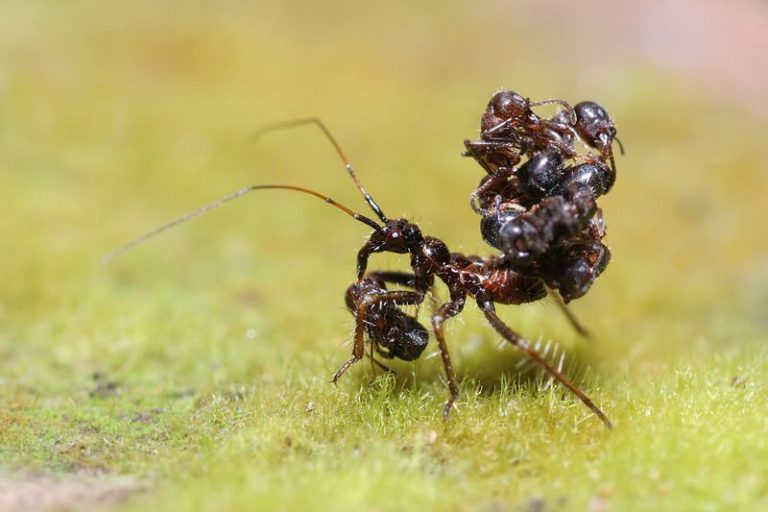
[(542, 213), (377, 310)]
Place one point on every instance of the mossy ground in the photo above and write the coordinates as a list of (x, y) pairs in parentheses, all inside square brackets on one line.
[(199, 363)]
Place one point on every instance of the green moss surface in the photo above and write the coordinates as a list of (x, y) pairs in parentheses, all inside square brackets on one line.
[(199, 363)]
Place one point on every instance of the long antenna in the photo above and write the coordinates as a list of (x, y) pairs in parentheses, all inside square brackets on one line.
[(282, 125), (221, 202), (621, 146)]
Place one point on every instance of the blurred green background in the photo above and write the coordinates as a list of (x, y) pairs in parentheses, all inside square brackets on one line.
[(118, 116)]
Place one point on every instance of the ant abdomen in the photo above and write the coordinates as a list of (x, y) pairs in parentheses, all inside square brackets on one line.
[(595, 176), (573, 269), (541, 173)]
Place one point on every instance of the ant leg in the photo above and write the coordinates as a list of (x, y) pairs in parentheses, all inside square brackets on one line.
[(497, 178), (480, 149), (375, 362), (362, 261), (444, 312), (396, 298), (472, 151), (567, 106), (380, 364), (489, 310), (497, 128), (406, 279), (577, 326), (402, 278)]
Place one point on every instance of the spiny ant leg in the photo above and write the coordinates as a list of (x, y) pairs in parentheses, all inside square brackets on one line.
[(489, 311), (395, 298), (444, 312)]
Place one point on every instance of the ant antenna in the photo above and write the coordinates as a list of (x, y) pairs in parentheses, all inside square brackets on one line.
[(316, 121), (621, 146), (221, 202)]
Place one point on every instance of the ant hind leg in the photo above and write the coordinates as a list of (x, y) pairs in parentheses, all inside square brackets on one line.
[(489, 310)]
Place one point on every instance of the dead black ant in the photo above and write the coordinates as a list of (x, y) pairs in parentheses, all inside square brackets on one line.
[(393, 333), (543, 214), (510, 130)]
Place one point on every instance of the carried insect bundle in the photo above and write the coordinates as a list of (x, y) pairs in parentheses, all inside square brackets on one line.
[(390, 331), (538, 200)]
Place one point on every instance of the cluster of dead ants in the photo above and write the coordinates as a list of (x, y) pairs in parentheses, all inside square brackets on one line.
[(538, 207)]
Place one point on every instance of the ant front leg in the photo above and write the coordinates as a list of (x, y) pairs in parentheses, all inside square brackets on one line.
[(363, 254), (393, 298), (444, 312), (489, 310)]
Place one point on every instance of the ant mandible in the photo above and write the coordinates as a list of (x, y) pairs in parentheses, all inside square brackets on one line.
[(488, 281)]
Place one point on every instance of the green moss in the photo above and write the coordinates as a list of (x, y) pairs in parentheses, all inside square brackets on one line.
[(199, 363)]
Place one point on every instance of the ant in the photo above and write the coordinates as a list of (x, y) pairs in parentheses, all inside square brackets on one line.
[(489, 281), (510, 130), (543, 214)]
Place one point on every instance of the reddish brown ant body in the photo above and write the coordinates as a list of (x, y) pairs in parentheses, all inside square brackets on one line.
[(391, 332)]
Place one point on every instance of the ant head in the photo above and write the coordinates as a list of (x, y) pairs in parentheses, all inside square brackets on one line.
[(510, 105), (399, 236), (595, 126)]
